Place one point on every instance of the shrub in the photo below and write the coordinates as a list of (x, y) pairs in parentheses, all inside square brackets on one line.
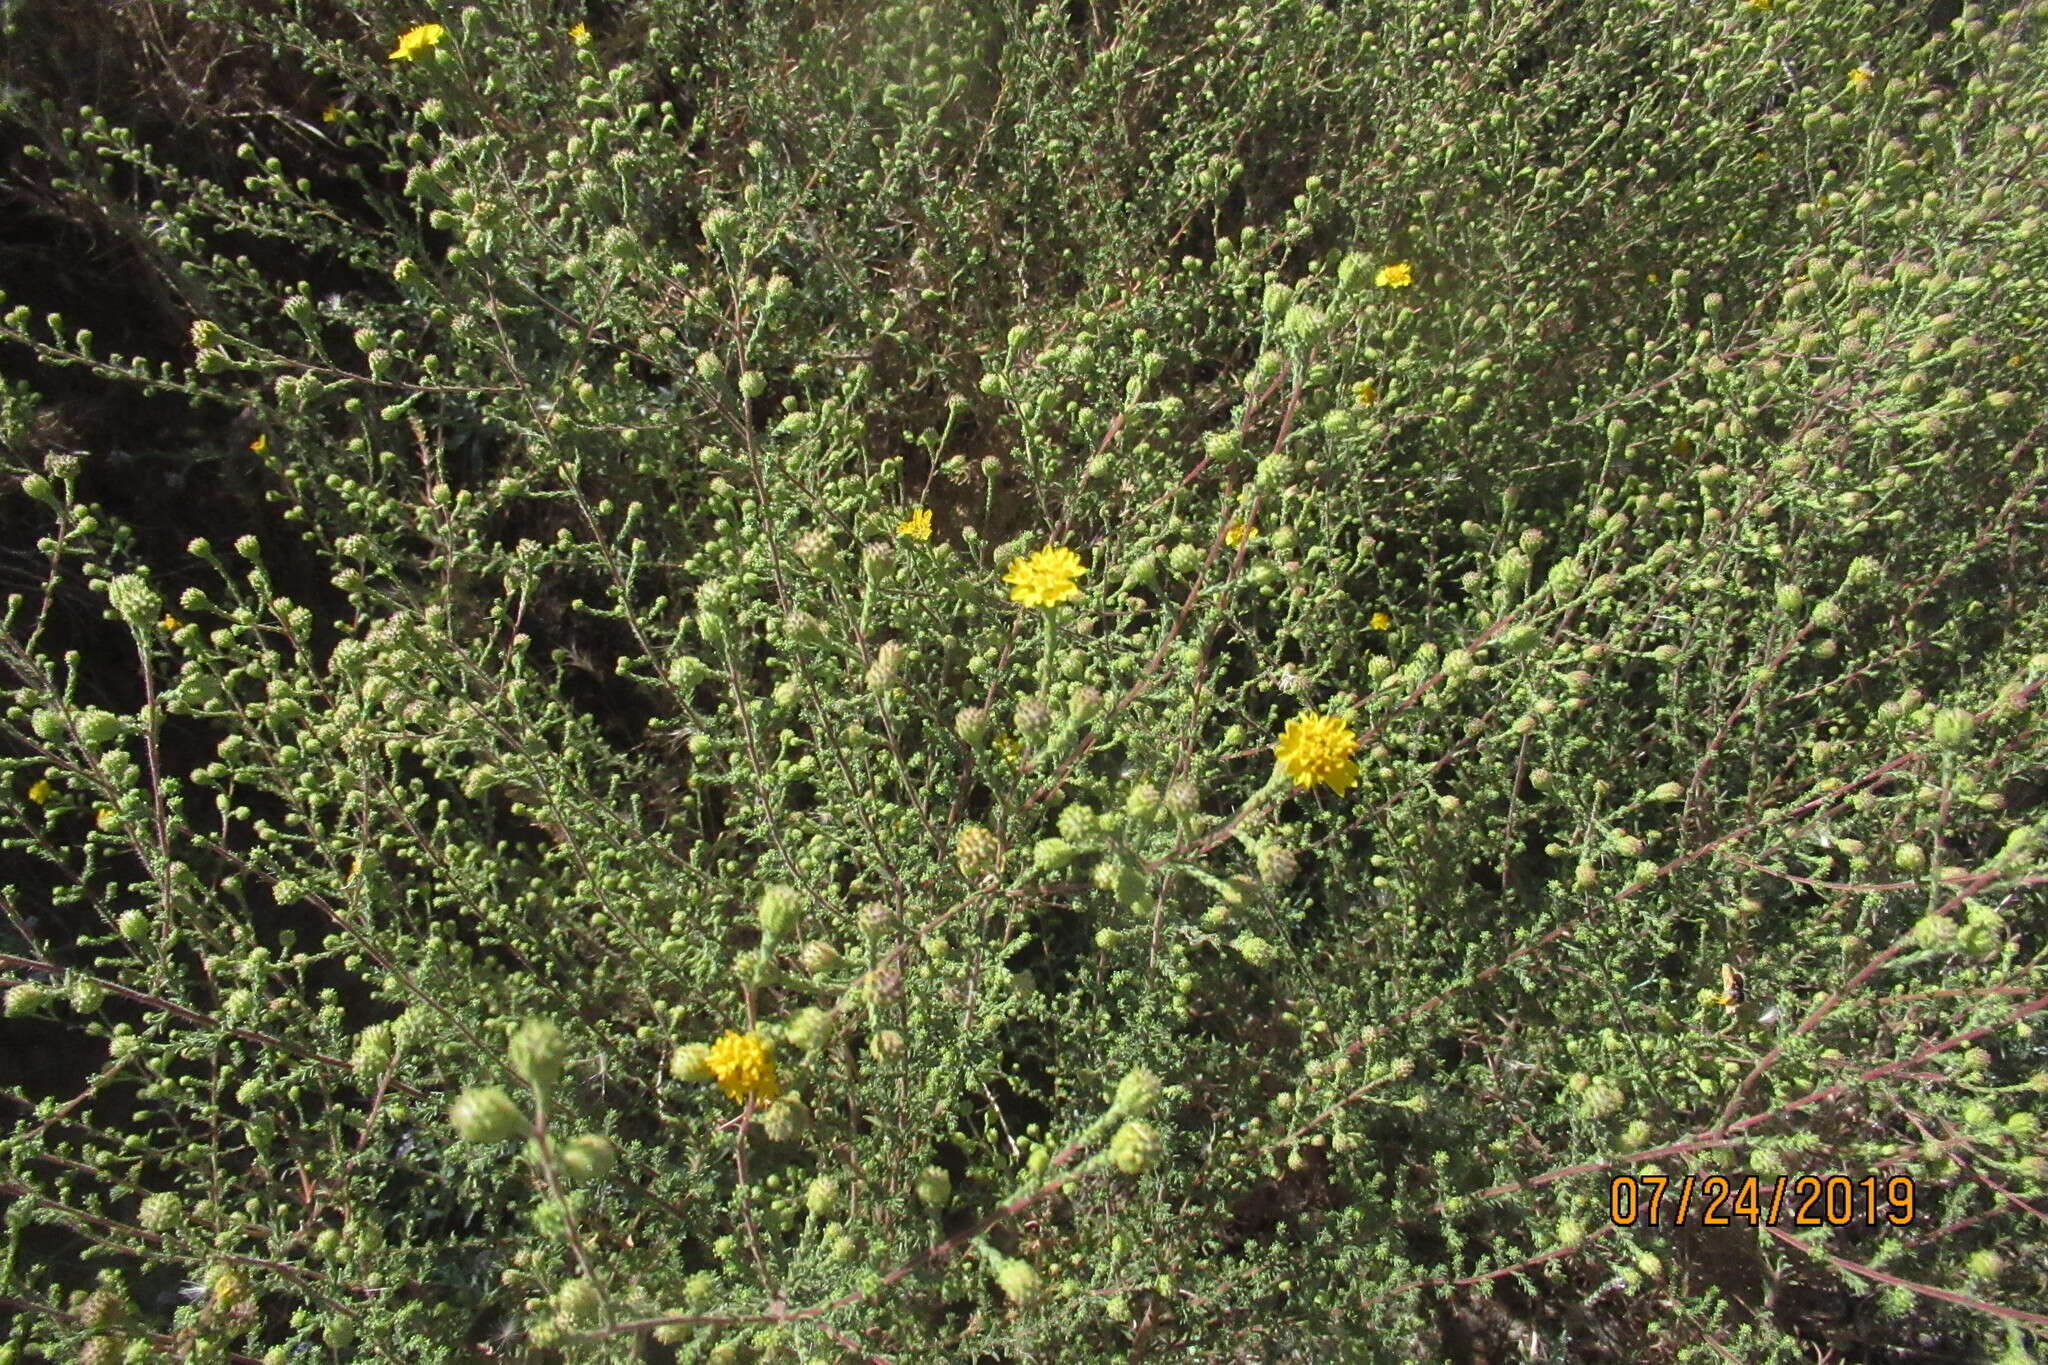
[(1021, 684)]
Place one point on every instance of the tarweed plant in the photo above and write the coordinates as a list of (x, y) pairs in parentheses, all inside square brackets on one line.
[(961, 682)]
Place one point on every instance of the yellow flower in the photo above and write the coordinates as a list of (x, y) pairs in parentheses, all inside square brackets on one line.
[(261, 443), (579, 35), (1363, 393), (168, 622), (1396, 276), (1651, 277), (106, 818), (1007, 746), (1317, 748), (330, 115), (414, 41), (1860, 76), (40, 790), (1759, 4), (739, 1063), (1238, 532), (1381, 621), (918, 525), (1045, 579)]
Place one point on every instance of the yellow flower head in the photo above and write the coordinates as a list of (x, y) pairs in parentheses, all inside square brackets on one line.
[(1238, 532), (106, 818), (739, 1063), (1381, 621), (168, 622), (1860, 76), (579, 35), (1395, 276), (414, 41), (1007, 746), (1364, 393), (918, 525), (261, 443), (330, 114), (1317, 748), (1045, 579), (40, 790)]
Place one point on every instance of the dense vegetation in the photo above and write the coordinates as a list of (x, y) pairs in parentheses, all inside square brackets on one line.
[(953, 682)]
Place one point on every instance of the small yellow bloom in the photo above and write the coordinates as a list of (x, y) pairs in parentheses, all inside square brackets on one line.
[(261, 443), (1364, 393), (1651, 277), (1381, 621), (168, 623), (1045, 579), (1317, 748), (1860, 76), (1396, 276), (739, 1063), (414, 41), (106, 818), (579, 35), (40, 790), (1760, 4), (1238, 532), (918, 525), (1007, 746), (330, 115)]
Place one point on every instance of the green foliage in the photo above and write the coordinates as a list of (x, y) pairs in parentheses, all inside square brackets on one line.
[(627, 723)]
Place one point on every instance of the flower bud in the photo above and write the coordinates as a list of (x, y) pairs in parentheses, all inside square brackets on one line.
[(976, 851), (779, 908), (688, 1062), (1018, 1281), (1953, 728), (537, 1053), (886, 1046), (1668, 791), (1077, 823), (1033, 717), (875, 919), (1142, 801), (487, 1114), (818, 957), (934, 1187), (971, 724), (813, 549), (578, 1301), (1277, 866), (1909, 858), (1137, 1093), (1135, 1147), (821, 1197), (134, 601), (882, 673), (588, 1158)]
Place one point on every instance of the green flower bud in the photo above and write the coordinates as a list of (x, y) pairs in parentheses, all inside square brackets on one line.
[(934, 1187), (25, 999), (537, 1053), (487, 1114), (134, 601), (687, 1063), (785, 1119), (1934, 933), (1277, 866), (1142, 801), (1953, 728), (1182, 800), (588, 1158), (99, 728), (1566, 577), (971, 724), (886, 1046), (1086, 703), (818, 957), (1052, 855), (1253, 949), (1790, 598), (778, 910), (1135, 1147), (1184, 559), (1137, 1094), (1033, 717), (808, 1028), (578, 1301), (1077, 823), (1019, 1282), (1909, 858), (1601, 1099), (1668, 791), (1512, 569), (821, 1197), (976, 851)]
